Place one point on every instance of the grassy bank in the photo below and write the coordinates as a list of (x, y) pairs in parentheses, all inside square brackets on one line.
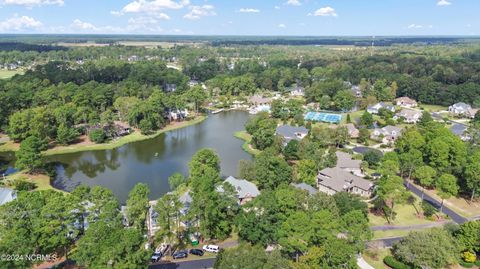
[(246, 145), (136, 136), (41, 181)]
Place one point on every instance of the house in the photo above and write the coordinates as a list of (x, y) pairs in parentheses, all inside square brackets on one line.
[(388, 133), (288, 133), (410, 115), (347, 163), (353, 132), (472, 112), (297, 90), (376, 108), (246, 190), (333, 180), (460, 130), (356, 91), (258, 100), (7, 195), (170, 87), (406, 102), (193, 83), (305, 187), (152, 219), (460, 109)]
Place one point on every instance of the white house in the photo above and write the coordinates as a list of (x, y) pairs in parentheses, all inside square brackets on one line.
[(410, 115), (462, 109), (376, 108), (406, 102), (388, 133)]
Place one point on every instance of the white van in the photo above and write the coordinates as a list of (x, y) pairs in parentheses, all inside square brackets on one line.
[(211, 248)]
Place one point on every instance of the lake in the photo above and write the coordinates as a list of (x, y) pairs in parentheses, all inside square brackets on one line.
[(153, 161)]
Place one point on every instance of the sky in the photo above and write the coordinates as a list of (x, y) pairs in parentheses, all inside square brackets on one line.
[(242, 17)]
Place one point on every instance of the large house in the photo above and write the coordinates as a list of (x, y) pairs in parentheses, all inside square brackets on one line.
[(333, 180), (410, 115), (296, 90), (7, 195), (246, 190), (388, 133), (356, 91), (406, 102), (258, 100), (347, 163), (462, 109), (289, 133), (376, 108)]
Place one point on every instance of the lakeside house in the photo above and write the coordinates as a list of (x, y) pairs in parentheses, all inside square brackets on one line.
[(347, 163), (376, 108), (289, 133), (462, 110), (305, 187), (257, 100), (333, 180), (460, 130), (410, 115), (353, 132), (246, 190), (387, 134), (406, 102), (7, 195)]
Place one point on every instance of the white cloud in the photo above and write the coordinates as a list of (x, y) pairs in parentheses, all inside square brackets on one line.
[(249, 10), (196, 12), (443, 3), (31, 3), (293, 3), (19, 24), (81, 25), (325, 12), (281, 25), (277, 7), (153, 6), (415, 26)]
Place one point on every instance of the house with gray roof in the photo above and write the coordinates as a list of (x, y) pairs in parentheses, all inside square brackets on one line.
[(305, 187), (347, 163), (288, 133), (409, 115), (246, 190), (7, 195), (460, 130), (376, 108), (462, 109), (387, 134), (333, 180)]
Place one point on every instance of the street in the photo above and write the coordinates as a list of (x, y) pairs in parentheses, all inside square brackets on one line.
[(196, 264)]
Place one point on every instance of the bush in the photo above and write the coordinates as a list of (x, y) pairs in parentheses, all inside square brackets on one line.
[(394, 263), (466, 264), (22, 185), (477, 263), (98, 136), (428, 209), (469, 257)]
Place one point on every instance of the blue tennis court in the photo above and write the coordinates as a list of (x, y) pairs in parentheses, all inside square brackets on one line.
[(324, 117)]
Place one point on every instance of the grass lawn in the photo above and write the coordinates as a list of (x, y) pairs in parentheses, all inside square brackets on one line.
[(136, 136), (4, 74), (353, 116), (433, 108), (375, 257), (41, 181), (406, 215), (248, 139), (7, 145), (390, 233)]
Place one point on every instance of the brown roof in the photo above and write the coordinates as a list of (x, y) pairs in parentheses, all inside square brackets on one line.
[(339, 180)]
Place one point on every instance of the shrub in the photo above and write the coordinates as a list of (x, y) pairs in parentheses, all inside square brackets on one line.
[(428, 209), (22, 185), (466, 264), (98, 136), (477, 263), (394, 263), (469, 257)]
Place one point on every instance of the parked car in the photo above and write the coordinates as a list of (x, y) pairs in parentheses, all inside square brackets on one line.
[(196, 251), (180, 254), (156, 257), (211, 248)]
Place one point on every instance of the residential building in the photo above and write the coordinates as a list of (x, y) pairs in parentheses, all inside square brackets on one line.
[(460, 130), (7, 195), (376, 108), (388, 134), (297, 90), (304, 186), (353, 132), (170, 87), (258, 100), (246, 190), (460, 109), (333, 180), (288, 133), (347, 163), (406, 102), (356, 91), (410, 115)]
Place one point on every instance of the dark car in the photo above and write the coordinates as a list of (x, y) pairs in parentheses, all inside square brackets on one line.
[(180, 255), (196, 251)]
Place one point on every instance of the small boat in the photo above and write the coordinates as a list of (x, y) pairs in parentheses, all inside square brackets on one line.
[(156, 154)]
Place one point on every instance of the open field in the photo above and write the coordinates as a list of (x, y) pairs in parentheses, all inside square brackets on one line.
[(391, 233), (406, 215), (248, 139), (4, 74), (375, 257), (84, 44), (433, 108), (154, 44)]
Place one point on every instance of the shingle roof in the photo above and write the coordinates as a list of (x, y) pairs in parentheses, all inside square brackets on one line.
[(7, 195), (344, 160), (303, 186), (243, 187), (288, 131), (337, 179)]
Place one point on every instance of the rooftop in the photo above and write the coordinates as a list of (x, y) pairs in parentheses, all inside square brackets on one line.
[(7, 195), (303, 186), (243, 187), (344, 160), (338, 179)]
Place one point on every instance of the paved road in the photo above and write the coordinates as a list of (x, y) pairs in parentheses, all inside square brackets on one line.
[(452, 214), (383, 243), (196, 264)]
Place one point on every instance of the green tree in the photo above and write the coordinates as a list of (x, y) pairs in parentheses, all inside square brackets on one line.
[(426, 177), (291, 150), (366, 120), (344, 100), (137, 206), (250, 257), (306, 171), (29, 155), (66, 135), (447, 187), (271, 170), (472, 173), (468, 236), (176, 180), (98, 136), (391, 191)]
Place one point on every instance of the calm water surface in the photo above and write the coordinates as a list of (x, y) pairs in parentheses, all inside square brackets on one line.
[(153, 161)]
